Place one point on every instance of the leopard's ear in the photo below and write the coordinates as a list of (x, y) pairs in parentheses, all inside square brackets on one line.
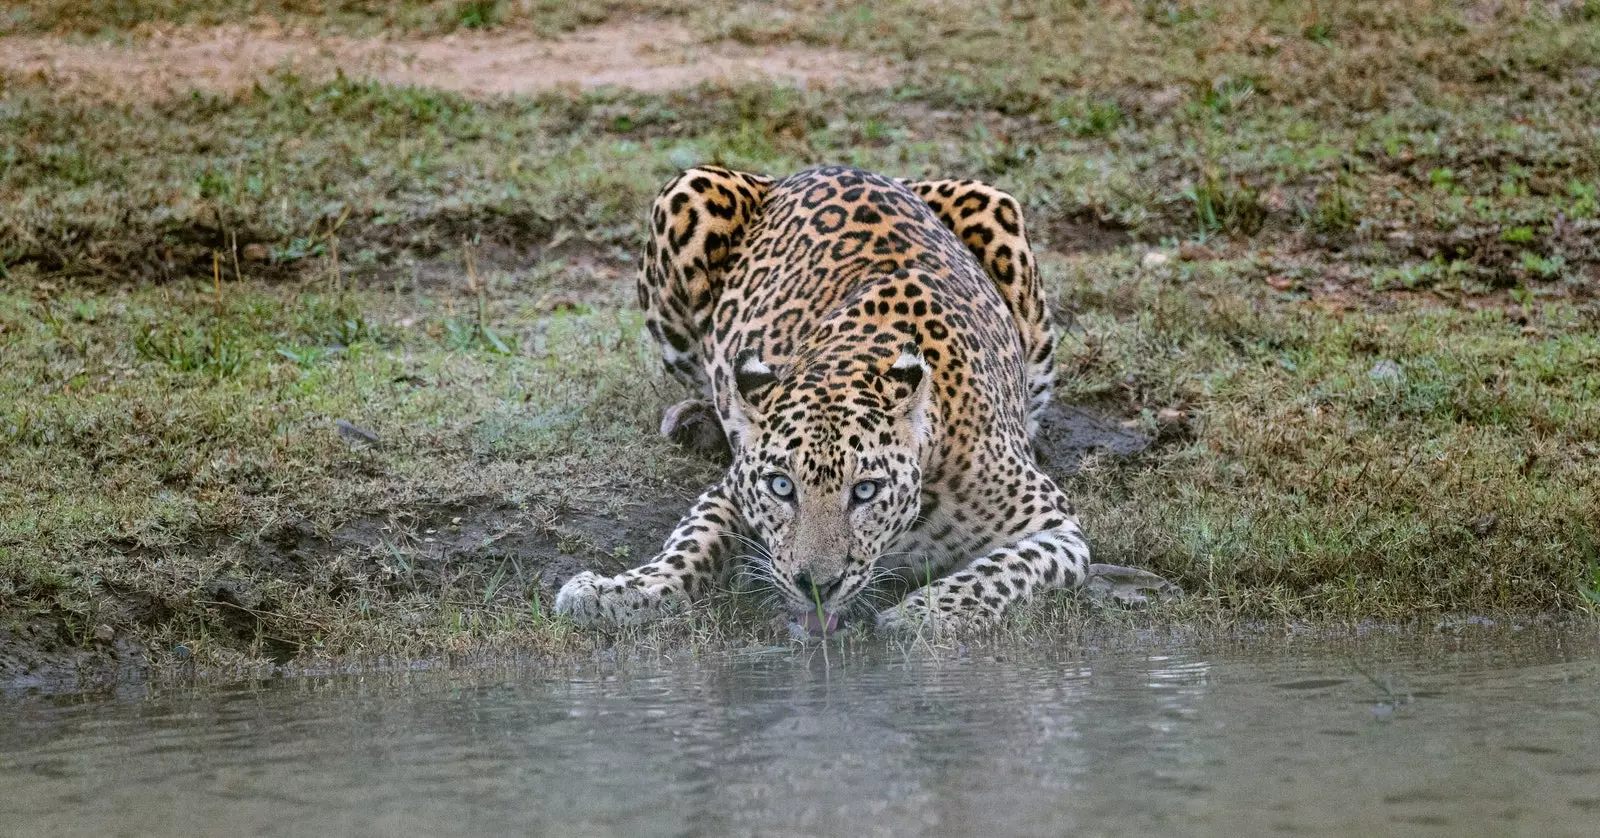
[(908, 369), (912, 379), (750, 374), (741, 412)]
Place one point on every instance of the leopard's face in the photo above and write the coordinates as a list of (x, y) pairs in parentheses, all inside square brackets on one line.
[(828, 474)]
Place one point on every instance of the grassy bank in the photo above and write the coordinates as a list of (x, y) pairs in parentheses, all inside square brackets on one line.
[(1365, 359)]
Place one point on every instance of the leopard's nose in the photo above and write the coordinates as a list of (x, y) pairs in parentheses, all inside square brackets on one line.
[(817, 589)]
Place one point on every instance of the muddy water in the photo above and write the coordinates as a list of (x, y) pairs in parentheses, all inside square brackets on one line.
[(1489, 733)]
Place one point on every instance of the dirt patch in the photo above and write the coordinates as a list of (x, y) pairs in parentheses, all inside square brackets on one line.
[(474, 551), (442, 539), (1072, 235), (1069, 434), (478, 548), (643, 55), (38, 654)]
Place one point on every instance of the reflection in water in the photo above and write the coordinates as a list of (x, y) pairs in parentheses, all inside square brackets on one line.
[(1425, 735)]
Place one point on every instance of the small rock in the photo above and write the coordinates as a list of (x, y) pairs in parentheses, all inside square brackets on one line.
[(181, 652), (1386, 370), (104, 633), (1155, 259), (354, 434), (1110, 585), (1170, 416), (254, 253)]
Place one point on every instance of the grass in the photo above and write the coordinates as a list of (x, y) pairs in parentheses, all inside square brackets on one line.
[(365, 17), (1380, 319)]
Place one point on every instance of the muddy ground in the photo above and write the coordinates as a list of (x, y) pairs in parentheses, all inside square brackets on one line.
[(472, 537)]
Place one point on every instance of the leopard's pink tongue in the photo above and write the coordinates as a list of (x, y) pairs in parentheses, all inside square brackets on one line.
[(818, 625)]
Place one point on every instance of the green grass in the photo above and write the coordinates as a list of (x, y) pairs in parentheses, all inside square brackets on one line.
[(1315, 484), (1382, 316)]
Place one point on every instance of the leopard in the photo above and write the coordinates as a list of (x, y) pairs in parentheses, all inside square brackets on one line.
[(877, 354)]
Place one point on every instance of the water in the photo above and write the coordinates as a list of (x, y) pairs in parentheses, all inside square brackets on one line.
[(1491, 733)]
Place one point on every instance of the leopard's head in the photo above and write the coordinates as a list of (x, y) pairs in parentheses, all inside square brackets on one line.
[(828, 468)]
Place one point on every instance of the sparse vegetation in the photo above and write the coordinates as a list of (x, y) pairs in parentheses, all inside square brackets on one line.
[(1377, 333)]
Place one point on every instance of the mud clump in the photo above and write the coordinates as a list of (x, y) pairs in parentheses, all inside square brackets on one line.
[(1069, 434), (40, 654)]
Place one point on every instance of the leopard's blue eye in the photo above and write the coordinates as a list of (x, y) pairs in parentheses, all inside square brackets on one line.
[(865, 490), (780, 486)]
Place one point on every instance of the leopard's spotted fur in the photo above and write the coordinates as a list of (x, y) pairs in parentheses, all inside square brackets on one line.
[(850, 329)]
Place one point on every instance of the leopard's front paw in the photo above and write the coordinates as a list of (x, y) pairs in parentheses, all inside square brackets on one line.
[(590, 600), (579, 599), (917, 615), (913, 615)]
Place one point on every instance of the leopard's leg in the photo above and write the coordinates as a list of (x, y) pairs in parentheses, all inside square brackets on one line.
[(989, 222), (695, 559), (698, 224), (1045, 550)]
